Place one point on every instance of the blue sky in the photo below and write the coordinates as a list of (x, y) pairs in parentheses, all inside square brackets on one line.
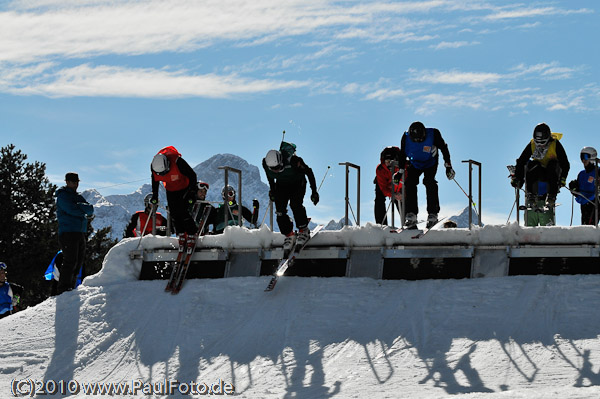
[(99, 86)]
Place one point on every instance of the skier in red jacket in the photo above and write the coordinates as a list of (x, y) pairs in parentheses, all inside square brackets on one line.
[(383, 182), (179, 180)]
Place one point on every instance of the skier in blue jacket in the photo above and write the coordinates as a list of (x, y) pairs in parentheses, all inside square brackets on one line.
[(420, 148), (584, 188), (9, 293), (72, 211)]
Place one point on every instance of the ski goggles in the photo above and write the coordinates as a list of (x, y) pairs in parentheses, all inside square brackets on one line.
[(202, 186), (231, 193), (3, 266), (277, 168), (586, 157)]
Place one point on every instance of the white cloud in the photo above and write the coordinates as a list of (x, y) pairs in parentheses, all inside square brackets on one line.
[(447, 45), (455, 77), (85, 80)]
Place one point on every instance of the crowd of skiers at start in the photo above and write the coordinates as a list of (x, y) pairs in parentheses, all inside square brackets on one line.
[(542, 168)]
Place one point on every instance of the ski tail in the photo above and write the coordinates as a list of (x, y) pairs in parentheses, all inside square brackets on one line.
[(191, 248), (177, 264), (287, 262)]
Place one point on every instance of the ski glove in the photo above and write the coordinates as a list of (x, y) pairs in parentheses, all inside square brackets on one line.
[(154, 200), (255, 203), (573, 185), (398, 176), (271, 195), (563, 182), (314, 197), (450, 173), (516, 183)]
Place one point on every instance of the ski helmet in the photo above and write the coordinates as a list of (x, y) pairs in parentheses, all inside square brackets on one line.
[(389, 152), (588, 153), (160, 164), (3, 266), (417, 132), (541, 134), (202, 185), (227, 191), (274, 160), (147, 199)]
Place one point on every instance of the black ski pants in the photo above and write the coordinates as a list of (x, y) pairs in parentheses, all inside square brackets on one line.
[(588, 214), (410, 189), (180, 212), (294, 195), (536, 173), (73, 249), (380, 207)]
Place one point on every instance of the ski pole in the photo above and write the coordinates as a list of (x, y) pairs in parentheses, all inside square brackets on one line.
[(152, 210), (266, 211), (472, 203), (328, 167), (511, 211)]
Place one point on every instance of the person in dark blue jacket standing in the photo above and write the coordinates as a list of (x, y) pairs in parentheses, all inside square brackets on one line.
[(584, 187), (420, 148), (72, 211)]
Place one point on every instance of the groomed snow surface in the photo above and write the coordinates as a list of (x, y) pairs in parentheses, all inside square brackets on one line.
[(510, 337)]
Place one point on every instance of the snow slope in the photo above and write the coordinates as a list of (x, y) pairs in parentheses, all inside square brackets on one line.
[(511, 337)]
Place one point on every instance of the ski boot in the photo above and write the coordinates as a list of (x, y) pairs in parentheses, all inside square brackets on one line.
[(411, 221), (551, 201), (288, 243), (303, 236), (432, 220)]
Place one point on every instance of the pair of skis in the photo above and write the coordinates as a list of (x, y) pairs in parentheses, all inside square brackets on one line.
[(422, 232), (287, 262), (187, 247)]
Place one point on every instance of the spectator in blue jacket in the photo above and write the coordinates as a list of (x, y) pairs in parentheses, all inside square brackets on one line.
[(584, 187), (72, 211), (9, 293)]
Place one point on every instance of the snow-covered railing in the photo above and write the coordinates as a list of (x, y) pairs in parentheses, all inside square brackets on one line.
[(376, 252)]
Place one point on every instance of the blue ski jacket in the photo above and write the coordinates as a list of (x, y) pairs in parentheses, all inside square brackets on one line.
[(71, 211), (585, 181), (6, 297)]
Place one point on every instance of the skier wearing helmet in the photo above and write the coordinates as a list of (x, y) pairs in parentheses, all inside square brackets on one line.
[(287, 174), (419, 148), (543, 160), (140, 220), (179, 180), (584, 187), (201, 192), (231, 206), (383, 182)]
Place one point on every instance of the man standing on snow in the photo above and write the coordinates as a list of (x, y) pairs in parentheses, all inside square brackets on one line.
[(179, 180), (287, 175), (72, 212), (420, 147)]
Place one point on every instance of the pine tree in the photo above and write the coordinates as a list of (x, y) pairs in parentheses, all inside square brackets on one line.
[(28, 216)]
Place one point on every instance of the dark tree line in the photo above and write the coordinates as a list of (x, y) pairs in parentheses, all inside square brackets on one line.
[(29, 228)]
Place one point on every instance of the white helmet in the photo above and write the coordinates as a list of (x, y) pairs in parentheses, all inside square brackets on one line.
[(274, 160), (588, 153), (160, 164)]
